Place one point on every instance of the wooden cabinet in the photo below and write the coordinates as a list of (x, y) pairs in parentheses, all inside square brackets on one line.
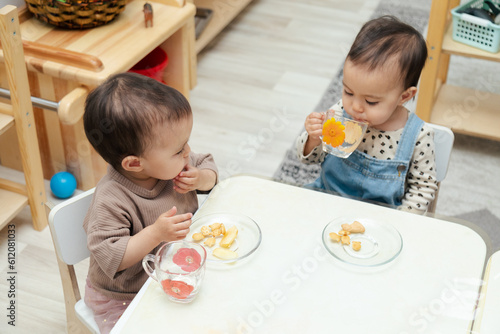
[(119, 45), (473, 112), (224, 11)]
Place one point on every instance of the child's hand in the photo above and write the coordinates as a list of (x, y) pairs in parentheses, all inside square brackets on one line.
[(192, 178), (314, 128), (314, 125), (170, 226), (187, 180)]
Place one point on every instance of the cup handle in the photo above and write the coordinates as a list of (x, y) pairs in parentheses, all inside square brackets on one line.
[(145, 264)]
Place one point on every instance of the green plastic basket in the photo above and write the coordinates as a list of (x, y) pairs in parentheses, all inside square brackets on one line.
[(475, 31)]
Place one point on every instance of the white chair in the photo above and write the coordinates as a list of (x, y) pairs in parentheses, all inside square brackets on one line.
[(70, 243), (443, 140)]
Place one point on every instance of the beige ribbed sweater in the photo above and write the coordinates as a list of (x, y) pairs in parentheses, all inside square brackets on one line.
[(119, 210)]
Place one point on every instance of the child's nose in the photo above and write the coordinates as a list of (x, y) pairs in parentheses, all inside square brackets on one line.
[(187, 150), (357, 106)]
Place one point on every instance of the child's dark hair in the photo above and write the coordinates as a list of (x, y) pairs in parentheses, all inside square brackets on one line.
[(121, 115), (381, 39)]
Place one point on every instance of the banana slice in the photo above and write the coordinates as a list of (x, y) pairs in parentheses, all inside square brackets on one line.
[(224, 253)]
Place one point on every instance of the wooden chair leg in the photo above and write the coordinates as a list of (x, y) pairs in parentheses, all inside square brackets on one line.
[(71, 292), (71, 296)]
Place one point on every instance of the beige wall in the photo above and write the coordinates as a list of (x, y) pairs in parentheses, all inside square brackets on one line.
[(17, 3)]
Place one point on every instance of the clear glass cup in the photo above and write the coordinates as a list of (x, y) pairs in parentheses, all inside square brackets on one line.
[(341, 134), (179, 266)]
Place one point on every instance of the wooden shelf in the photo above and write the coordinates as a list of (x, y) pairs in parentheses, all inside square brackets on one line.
[(464, 110), (467, 111), (456, 48), (11, 204), (224, 11), (6, 121), (119, 45)]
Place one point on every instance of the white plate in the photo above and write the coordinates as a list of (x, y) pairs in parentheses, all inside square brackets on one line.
[(247, 241), (381, 243)]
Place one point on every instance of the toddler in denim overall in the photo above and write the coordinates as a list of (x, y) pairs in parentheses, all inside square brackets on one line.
[(395, 162), (365, 177)]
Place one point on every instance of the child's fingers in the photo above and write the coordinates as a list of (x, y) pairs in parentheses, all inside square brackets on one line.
[(315, 129), (176, 219), (316, 126), (314, 121), (184, 225), (185, 218), (170, 212), (315, 116), (187, 181), (181, 234), (182, 188), (182, 229), (188, 171), (184, 184)]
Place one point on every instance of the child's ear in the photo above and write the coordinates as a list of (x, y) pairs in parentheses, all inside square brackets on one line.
[(408, 94), (132, 163)]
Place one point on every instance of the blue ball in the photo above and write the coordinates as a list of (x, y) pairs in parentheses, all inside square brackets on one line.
[(63, 184)]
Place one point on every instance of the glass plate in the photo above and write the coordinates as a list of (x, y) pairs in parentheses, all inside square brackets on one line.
[(247, 241), (380, 243)]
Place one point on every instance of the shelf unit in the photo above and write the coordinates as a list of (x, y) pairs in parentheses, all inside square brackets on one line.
[(18, 115), (467, 111), (224, 11), (11, 203)]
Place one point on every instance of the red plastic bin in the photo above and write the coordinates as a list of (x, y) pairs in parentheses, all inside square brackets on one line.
[(152, 65)]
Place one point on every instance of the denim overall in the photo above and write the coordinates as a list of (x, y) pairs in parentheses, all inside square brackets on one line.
[(368, 178)]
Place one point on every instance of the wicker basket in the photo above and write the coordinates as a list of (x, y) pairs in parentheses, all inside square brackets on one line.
[(76, 14)]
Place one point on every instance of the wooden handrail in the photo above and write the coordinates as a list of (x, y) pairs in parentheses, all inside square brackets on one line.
[(62, 56)]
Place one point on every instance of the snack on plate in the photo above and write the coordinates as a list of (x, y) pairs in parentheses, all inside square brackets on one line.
[(356, 245), (334, 236), (205, 230), (346, 227), (229, 237), (343, 235), (210, 242), (224, 254), (357, 227), (215, 226), (214, 230), (198, 237)]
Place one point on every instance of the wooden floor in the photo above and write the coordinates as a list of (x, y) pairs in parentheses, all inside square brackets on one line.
[(256, 83)]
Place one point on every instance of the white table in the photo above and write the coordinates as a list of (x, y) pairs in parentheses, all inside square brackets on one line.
[(293, 285)]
